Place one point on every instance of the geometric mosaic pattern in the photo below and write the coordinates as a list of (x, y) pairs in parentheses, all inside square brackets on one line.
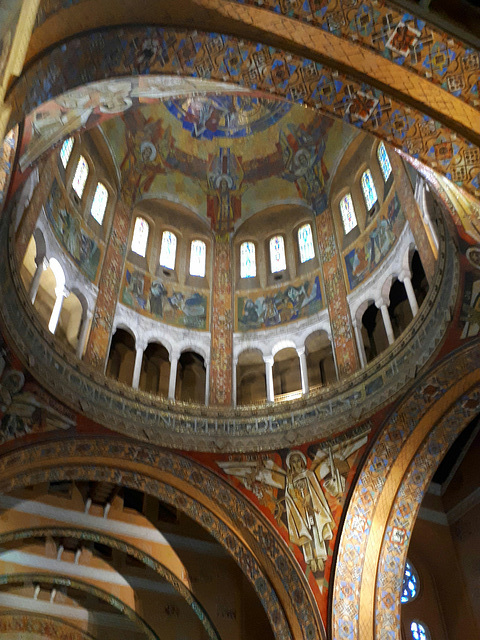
[(144, 51), (45, 626), (351, 568), (405, 508)]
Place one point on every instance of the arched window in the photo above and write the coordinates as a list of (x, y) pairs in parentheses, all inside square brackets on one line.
[(419, 631), (248, 265), (305, 243), (410, 583), (349, 218), (168, 250), (277, 254), (65, 151), (384, 161), (140, 237), (198, 254), (80, 177), (99, 203), (369, 191)]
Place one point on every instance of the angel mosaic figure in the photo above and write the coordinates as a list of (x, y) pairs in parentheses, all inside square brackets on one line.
[(309, 520)]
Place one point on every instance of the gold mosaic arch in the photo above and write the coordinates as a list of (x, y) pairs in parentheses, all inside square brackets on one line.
[(441, 404), (23, 622), (125, 547), (445, 136), (205, 497), (23, 579)]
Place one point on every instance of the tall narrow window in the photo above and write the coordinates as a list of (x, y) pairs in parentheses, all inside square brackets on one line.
[(80, 177), (140, 236), (419, 631), (277, 254), (248, 265), (410, 583), (349, 218), (99, 203), (168, 250), (384, 161), (305, 243), (65, 151), (198, 254), (369, 191)]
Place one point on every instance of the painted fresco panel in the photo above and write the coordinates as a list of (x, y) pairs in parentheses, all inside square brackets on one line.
[(371, 250), (70, 233), (163, 301), (303, 493), (279, 306)]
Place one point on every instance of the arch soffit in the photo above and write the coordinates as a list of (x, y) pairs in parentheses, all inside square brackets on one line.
[(21, 579), (124, 327), (284, 344), (126, 547), (196, 491), (28, 93), (368, 526), (40, 245)]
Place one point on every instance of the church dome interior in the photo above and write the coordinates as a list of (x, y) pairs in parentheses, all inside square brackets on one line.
[(239, 320)]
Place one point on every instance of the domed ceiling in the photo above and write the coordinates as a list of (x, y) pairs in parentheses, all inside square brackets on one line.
[(185, 141)]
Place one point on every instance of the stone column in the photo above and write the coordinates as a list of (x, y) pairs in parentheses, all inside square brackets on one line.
[(42, 264), (96, 353), (412, 213), (360, 345), (343, 340), (82, 338), (40, 194), (137, 369), (221, 323), (269, 376), (405, 278), (303, 369), (234, 382), (61, 293), (207, 383), (387, 323), (172, 381)]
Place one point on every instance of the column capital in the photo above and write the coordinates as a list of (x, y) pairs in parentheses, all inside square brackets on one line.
[(301, 350), (174, 356), (268, 360), (404, 274)]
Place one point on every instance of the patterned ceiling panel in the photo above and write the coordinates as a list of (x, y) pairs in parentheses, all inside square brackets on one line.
[(143, 51)]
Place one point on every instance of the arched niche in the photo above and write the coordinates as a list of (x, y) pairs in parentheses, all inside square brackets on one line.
[(251, 380), (320, 361), (286, 372), (374, 336), (191, 378), (155, 373), (121, 357)]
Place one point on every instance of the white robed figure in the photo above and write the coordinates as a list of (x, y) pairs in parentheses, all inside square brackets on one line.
[(310, 522)]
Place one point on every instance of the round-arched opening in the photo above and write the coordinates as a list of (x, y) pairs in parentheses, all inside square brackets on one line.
[(399, 308), (191, 378), (374, 335), (251, 380), (287, 380), (70, 321), (419, 279), (121, 358), (155, 374), (320, 361)]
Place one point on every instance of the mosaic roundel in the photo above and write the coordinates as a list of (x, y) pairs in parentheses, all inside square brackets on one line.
[(226, 116)]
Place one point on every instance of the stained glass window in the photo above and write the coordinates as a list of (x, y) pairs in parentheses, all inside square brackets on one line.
[(410, 583), (369, 192), (384, 161), (305, 243), (99, 203), (168, 250), (419, 631), (140, 237), (198, 254), (80, 177), (277, 254), (248, 265), (349, 218), (65, 151)]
